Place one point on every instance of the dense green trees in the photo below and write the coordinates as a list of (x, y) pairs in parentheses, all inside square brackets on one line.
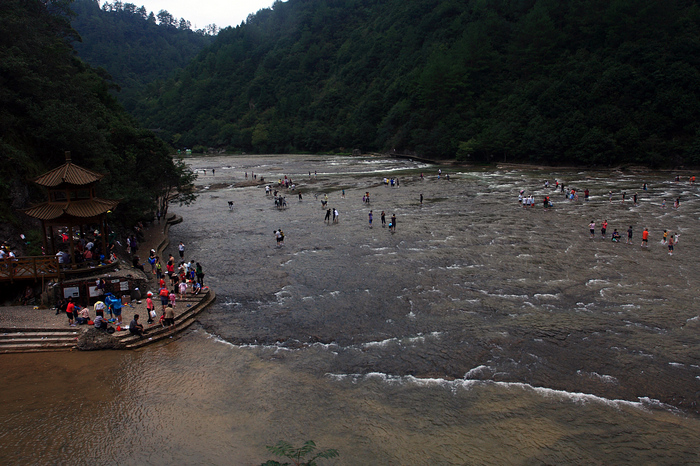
[(51, 102), (134, 49), (582, 82)]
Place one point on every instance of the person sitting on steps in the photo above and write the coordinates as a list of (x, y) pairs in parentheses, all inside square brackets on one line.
[(134, 327)]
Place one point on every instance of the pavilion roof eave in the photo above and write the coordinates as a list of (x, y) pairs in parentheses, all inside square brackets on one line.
[(62, 222), (69, 174), (72, 211)]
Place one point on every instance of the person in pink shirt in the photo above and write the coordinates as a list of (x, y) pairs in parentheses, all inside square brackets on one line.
[(149, 307)]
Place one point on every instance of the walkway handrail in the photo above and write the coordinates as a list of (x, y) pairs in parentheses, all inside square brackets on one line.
[(29, 267)]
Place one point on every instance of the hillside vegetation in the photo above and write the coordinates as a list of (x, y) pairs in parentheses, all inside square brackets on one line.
[(580, 82), (51, 102), (136, 47)]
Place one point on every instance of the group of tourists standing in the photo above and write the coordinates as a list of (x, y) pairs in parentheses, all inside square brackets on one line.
[(668, 239), (382, 216)]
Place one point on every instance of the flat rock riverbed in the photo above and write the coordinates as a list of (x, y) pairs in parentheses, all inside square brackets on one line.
[(470, 284), (479, 332)]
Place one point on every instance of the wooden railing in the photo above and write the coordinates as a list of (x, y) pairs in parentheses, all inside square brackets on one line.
[(29, 267)]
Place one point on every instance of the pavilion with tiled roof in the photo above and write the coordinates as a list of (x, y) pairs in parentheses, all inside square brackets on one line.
[(71, 203)]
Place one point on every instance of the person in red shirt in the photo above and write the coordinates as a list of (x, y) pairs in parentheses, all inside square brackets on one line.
[(164, 295), (170, 267), (69, 312), (645, 238)]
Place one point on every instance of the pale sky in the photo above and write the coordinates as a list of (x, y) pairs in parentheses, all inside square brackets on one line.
[(202, 12)]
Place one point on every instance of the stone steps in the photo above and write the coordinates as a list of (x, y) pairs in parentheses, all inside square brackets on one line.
[(24, 340), (24, 348), (31, 341), (34, 335), (155, 332), (66, 329), (21, 340)]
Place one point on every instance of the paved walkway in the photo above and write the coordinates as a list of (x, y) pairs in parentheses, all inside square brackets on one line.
[(21, 317)]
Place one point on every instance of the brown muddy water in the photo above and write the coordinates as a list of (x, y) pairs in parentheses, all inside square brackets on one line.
[(478, 333)]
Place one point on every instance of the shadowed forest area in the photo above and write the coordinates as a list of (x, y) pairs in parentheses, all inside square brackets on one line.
[(52, 102), (137, 47), (589, 82)]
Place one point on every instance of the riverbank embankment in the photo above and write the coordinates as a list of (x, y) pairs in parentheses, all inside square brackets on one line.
[(31, 329)]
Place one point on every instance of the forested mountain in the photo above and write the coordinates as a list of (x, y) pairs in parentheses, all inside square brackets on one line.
[(51, 102), (577, 82), (136, 47)]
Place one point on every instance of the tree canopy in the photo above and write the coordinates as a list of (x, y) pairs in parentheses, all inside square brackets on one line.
[(584, 82), (135, 47), (51, 102)]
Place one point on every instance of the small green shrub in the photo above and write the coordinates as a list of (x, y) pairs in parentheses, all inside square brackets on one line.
[(298, 455)]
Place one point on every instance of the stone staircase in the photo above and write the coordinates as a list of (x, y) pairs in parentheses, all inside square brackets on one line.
[(183, 320), (29, 340), (25, 340)]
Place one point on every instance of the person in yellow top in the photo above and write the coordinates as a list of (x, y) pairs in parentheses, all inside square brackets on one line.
[(665, 237)]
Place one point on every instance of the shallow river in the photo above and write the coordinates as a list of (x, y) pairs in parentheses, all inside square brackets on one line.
[(478, 333)]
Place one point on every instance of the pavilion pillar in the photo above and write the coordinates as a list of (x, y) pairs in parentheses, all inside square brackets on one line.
[(52, 241), (43, 237), (72, 247), (103, 234)]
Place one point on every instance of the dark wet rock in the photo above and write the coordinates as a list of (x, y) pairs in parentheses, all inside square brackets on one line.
[(94, 339), (471, 284), (293, 344)]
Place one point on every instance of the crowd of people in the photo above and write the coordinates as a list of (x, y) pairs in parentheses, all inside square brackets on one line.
[(174, 281), (669, 239)]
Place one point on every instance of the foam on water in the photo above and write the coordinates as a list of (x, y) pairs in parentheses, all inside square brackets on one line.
[(379, 344), (547, 296), (595, 375), (276, 347), (466, 384), (406, 341), (476, 371), (283, 295), (306, 251), (504, 296), (453, 267)]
